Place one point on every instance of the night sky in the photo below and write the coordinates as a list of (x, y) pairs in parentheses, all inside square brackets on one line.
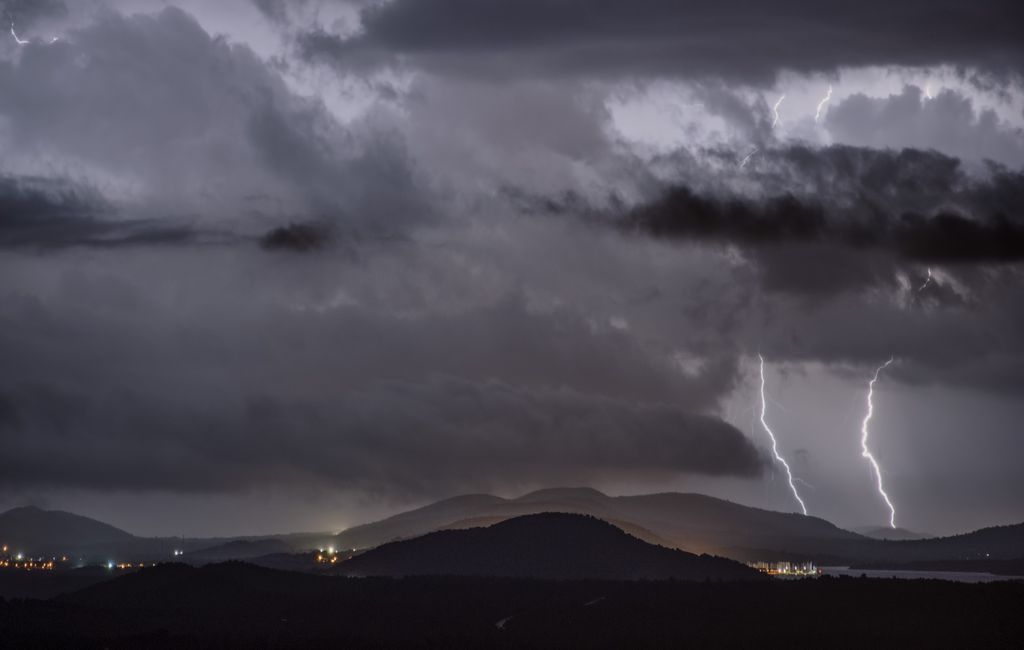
[(272, 265)]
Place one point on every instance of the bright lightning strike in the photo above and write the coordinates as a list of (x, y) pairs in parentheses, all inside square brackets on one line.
[(866, 453), (927, 281), (821, 104), (15, 35), (775, 111), (775, 450)]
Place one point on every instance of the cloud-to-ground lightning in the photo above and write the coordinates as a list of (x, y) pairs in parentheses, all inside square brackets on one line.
[(775, 449), (866, 452), (775, 111), (821, 104), (15, 35)]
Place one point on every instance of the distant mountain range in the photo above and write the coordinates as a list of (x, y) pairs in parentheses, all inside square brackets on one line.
[(44, 533), (698, 524), (689, 522), (547, 546), (895, 534), (35, 530), (242, 549), (693, 523)]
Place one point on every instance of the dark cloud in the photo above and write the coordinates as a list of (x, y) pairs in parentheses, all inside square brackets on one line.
[(858, 214), (425, 438), (52, 213), (943, 237), (299, 237), (119, 379), (734, 39), (460, 326)]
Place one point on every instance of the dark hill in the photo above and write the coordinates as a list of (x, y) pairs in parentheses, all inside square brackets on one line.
[(414, 523), (893, 534), (34, 530), (242, 549), (235, 605), (690, 522), (548, 546), (698, 524)]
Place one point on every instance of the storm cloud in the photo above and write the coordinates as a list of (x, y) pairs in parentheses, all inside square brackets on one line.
[(737, 40), (407, 249), (919, 206)]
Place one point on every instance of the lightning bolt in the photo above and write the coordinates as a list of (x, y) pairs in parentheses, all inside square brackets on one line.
[(866, 453), (15, 35), (928, 90), (746, 159), (775, 450), (775, 111), (821, 104), (927, 281)]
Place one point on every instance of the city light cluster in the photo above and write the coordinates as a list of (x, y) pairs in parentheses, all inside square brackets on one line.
[(18, 561), (787, 569)]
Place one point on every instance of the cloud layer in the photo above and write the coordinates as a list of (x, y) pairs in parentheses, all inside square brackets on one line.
[(411, 248), (738, 40)]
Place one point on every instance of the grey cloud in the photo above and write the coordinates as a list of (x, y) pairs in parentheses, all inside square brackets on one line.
[(192, 370), (948, 122), (856, 214), (423, 438), (199, 126), (50, 213), (751, 41), (27, 11)]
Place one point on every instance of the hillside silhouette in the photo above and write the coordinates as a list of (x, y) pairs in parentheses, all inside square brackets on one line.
[(240, 605), (242, 549), (695, 523), (549, 546), (690, 522), (35, 530)]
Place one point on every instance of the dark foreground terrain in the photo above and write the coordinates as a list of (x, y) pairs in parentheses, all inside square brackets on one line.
[(240, 605)]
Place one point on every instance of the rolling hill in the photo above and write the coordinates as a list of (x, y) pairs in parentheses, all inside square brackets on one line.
[(894, 534), (689, 522), (38, 532), (32, 529), (546, 546), (697, 524)]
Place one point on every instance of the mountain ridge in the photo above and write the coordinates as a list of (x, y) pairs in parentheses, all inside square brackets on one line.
[(558, 546)]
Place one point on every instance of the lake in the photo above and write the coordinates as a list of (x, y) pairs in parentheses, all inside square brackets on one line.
[(954, 576)]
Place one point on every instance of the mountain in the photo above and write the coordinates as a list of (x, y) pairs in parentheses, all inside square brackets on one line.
[(38, 532), (33, 530), (894, 534), (417, 522), (995, 543), (690, 522), (698, 524), (242, 549), (546, 546)]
